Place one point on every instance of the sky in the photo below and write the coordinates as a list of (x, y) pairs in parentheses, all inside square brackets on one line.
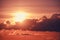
[(35, 7)]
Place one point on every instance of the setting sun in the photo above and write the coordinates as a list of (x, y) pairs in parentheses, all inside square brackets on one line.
[(20, 16)]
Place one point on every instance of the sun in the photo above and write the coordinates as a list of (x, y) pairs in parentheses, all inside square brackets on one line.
[(20, 16)]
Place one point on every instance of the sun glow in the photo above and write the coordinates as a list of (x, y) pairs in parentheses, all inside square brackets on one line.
[(20, 16)]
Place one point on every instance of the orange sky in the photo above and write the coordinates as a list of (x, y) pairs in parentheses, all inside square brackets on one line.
[(34, 7)]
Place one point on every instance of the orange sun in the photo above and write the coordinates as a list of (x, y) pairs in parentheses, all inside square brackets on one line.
[(20, 16)]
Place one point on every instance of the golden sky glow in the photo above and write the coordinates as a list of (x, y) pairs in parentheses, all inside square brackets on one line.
[(34, 7), (20, 16)]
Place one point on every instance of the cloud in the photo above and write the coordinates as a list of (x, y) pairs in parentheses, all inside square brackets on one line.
[(33, 6), (5, 16)]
